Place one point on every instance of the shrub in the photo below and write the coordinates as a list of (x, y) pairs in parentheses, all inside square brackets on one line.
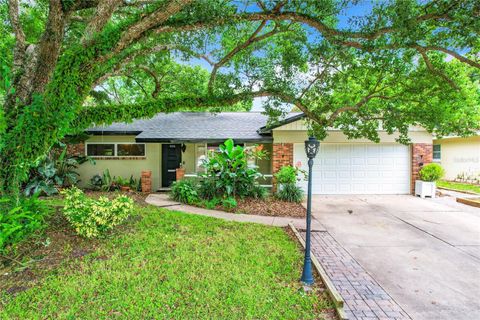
[(259, 192), (18, 220), (229, 168), (89, 217), (431, 172), (290, 192), (289, 174), (229, 203), (212, 203), (207, 189), (185, 191)]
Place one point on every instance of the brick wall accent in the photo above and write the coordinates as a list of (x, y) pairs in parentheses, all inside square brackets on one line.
[(77, 149), (282, 155), (146, 178), (422, 154)]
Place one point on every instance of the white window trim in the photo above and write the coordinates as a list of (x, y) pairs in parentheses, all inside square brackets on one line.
[(115, 150)]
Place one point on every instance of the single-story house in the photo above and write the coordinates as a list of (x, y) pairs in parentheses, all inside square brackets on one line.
[(166, 141), (459, 156)]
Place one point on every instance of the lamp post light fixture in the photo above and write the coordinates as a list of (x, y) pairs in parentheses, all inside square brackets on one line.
[(311, 149)]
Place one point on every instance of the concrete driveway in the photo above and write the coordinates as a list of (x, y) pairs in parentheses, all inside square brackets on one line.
[(424, 252)]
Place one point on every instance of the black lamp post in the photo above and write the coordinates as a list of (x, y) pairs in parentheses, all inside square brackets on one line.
[(311, 149)]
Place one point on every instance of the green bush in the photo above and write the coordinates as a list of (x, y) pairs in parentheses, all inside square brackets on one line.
[(89, 217), (212, 203), (228, 168), (431, 172), (20, 220), (289, 174), (259, 192), (207, 189), (185, 191), (229, 203), (290, 192)]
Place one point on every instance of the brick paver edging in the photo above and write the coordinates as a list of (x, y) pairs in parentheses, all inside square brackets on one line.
[(331, 290), (363, 297)]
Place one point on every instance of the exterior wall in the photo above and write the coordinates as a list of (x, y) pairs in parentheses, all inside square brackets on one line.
[(123, 166), (188, 158), (292, 136), (282, 155), (460, 155), (422, 154)]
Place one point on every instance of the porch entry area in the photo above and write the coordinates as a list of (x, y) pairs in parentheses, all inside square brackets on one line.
[(189, 156)]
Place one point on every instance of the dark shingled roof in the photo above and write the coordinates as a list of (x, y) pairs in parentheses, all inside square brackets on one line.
[(192, 126)]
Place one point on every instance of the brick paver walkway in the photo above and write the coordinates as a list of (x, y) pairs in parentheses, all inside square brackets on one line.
[(364, 297)]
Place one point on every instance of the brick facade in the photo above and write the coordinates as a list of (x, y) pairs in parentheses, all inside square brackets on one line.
[(422, 153), (282, 155), (146, 179)]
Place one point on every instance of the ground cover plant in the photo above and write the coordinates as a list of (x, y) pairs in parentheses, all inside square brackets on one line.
[(93, 217), (169, 265), (459, 186)]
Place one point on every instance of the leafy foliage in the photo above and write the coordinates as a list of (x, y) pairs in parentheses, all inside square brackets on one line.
[(431, 172), (228, 170), (18, 220), (289, 174), (91, 218), (229, 203), (184, 191), (290, 192), (56, 170)]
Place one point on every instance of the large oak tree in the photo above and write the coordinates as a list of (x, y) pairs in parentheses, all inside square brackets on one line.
[(70, 64)]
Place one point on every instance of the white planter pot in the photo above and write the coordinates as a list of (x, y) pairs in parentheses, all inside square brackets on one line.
[(425, 189)]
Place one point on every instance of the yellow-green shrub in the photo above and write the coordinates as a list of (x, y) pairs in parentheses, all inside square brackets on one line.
[(89, 217)]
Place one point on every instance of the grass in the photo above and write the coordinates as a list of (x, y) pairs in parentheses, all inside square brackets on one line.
[(170, 265), (459, 186)]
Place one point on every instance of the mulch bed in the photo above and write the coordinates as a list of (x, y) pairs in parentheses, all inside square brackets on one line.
[(270, 207)]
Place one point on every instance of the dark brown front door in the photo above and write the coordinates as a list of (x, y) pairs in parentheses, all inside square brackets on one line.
[(171, 159)]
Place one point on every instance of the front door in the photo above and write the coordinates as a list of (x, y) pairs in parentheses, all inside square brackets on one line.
[(171, 159)]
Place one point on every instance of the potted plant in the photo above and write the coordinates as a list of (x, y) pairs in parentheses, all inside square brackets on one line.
[(429, 174), (124, 184)]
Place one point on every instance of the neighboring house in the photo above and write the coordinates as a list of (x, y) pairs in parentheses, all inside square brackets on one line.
[(166, 141), (460, 157)]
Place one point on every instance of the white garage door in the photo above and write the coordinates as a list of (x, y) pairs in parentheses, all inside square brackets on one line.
[(355, 168)]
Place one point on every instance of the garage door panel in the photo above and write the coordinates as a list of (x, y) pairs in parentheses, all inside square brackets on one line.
[(358, 168)]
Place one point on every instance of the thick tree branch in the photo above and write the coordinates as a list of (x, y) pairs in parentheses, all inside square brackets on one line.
[(138, 29), (432, 69), (152, 73), (48, 49), (20, 44), (104, 11)]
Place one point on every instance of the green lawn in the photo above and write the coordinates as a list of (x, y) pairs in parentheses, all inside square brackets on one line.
[(459, 186), (171, 265)]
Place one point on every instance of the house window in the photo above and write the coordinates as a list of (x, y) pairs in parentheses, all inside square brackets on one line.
[(200, 155), (437, 152), (115, 149), (101, 150), (131, 150)]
